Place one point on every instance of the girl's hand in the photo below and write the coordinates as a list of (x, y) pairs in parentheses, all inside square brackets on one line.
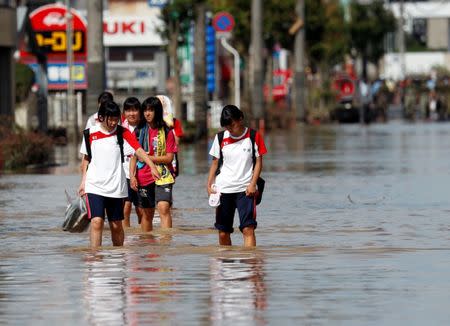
[(155, 173), (81, 191), (133, 183), (210, 190), (251, 190)]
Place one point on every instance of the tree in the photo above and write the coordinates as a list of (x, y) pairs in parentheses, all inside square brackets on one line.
[(368, 27), (200, 71), (177, 16), (326, 34)]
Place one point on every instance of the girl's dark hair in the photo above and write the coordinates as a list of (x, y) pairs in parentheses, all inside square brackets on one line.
[(131, 102), (154, 103), (105, 97), (229, 114), (108, 109)]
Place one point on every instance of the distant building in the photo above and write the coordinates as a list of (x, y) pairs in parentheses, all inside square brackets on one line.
[(428, 24), (136, 61)]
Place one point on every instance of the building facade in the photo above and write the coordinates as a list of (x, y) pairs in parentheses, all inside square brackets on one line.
[(428, 24)]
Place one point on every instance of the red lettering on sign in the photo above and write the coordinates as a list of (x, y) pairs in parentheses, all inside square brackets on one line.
[(128, 28), (134, 27), (108, 30)]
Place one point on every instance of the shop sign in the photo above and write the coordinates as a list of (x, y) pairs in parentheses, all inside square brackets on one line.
[(49, 25), (58, 75), (132, 31)]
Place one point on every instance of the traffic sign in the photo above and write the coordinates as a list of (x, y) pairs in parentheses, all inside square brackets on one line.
[(223, 22)]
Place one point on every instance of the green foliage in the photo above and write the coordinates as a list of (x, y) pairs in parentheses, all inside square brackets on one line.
[(279, 15), (19, 149), (413, 45), (177, 16), (326, 34), (368, 27), (24, 81)]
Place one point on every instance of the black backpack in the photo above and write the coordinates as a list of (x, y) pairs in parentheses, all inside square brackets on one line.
[(260, 182), (86, 134)]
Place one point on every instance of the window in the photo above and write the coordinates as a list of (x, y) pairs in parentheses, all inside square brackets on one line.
[(142, 54), (7, 3), (117, 54)]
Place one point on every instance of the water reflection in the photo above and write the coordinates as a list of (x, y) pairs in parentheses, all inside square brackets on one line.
[(128, 288), (238, 291), (105, 288), (149, 286)]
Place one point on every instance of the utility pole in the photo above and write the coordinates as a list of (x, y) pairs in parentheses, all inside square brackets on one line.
[(299, 62), (200, 71), (401, 39), (7, 46), (72, 127), (96, 54), (256, 55)]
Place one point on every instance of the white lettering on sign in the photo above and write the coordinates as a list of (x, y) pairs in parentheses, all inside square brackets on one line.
[(54, 18)]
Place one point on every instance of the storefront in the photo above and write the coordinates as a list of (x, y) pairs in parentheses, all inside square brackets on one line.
[(49, 31), (135, 55)]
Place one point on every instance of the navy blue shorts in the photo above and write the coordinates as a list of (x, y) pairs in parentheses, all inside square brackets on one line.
[(132, 195), (246, 207), (149, 195), (97, 204)]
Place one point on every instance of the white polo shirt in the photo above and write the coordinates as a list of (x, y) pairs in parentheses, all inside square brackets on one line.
[(127, 158), (105, 175), (237, 169)]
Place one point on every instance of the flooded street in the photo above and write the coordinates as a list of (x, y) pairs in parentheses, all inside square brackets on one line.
[(353, 230)]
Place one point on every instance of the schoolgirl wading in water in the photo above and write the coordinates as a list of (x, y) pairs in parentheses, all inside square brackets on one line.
[(159, 142), (103, 180), (237, 176)]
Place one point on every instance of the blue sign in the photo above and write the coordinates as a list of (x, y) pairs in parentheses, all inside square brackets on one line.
[(223, 22), (210, 42), (58, 75), (157, 3)]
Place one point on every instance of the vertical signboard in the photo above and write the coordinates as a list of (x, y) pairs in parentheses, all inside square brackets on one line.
[(210, 59)]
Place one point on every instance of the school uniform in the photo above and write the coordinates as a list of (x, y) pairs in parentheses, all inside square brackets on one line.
[(106, 184), (235, 175)]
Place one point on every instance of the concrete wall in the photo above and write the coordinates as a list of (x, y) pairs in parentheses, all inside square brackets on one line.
[(437, 33), (416, 63)]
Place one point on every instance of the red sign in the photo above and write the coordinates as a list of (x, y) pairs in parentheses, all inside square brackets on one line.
[(344, 87), (49, 25), (53, 18), (281, 85), (223, 22)]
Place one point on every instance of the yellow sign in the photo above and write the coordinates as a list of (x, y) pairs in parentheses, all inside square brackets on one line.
[(56, 41)]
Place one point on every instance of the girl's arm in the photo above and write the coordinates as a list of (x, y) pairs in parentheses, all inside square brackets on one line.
[(251, 188), (84, 166), (165, 159), (133, 181), (212, 175), (144, 157)]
